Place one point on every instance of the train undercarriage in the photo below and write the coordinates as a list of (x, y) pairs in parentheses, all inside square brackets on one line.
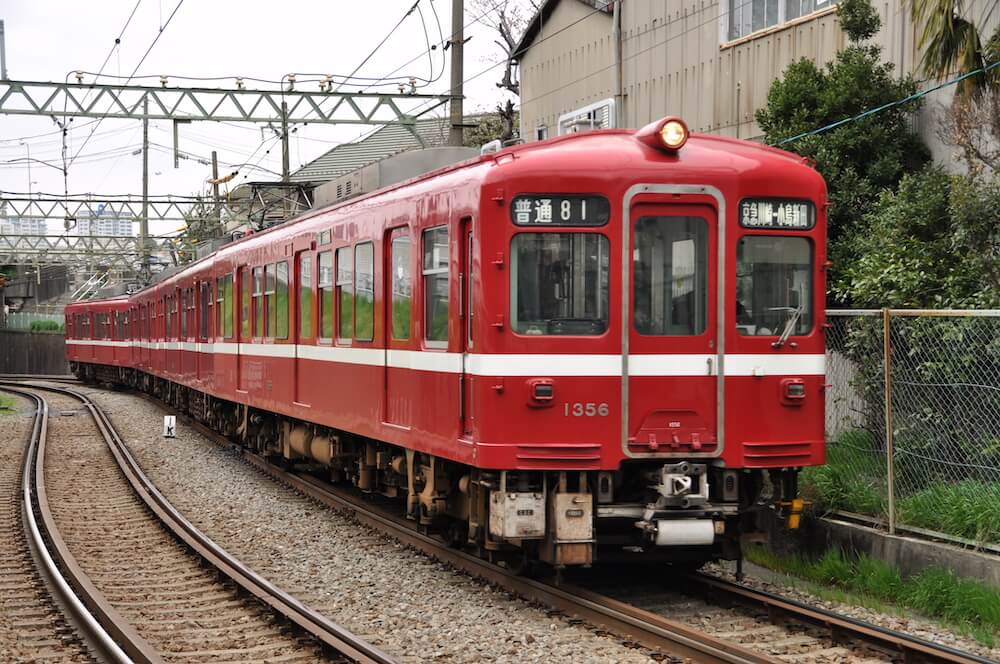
[(685, 512)]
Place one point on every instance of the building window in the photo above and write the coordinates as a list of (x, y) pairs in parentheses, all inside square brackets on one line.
[(541, 133), (748, 16), (305, 296), (402, 287), (435, 275), (325, 284), (345, 292)]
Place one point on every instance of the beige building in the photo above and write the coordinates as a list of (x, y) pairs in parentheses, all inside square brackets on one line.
[(709, 62)]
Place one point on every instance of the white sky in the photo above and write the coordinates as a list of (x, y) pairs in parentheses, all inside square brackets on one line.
[(48, 39)]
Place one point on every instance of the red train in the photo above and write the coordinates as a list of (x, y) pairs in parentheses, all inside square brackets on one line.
[(600, 344)]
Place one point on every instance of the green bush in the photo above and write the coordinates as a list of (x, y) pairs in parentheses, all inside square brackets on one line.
[(853, 478), (46, 326)]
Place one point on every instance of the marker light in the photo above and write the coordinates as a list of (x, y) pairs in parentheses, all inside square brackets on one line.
[(668, 134), (673, 134)]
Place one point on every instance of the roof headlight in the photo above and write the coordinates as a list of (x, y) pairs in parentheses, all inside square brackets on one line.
[(674, 134)]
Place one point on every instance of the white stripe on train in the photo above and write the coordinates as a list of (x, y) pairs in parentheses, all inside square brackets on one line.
[(477, 364)]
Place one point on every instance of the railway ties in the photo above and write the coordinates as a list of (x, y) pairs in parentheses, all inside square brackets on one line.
[(139, 583)]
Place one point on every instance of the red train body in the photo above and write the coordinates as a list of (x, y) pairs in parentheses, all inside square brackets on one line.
[(591, 340)]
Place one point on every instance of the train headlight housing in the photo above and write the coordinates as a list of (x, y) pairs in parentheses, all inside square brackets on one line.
[(668, 134), (674, 134)]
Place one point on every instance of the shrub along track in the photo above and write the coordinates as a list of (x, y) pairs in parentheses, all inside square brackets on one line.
[(111, 532)]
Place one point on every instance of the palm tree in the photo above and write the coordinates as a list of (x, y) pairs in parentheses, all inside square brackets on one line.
[(952, 44)]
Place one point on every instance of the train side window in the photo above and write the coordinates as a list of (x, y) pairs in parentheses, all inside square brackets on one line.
[(671, 276), (326, 295), (258, 302), (345, 293), (226, 313), (220, 304), (184, 314), (435, 274), (192, 312), (402, 286), (281, 301), (364, 292), (271, 322), (205, 297), (244, 303), (305, 296), (170, 318)]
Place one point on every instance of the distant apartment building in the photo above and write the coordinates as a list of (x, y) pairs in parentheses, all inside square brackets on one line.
[(104, 222), (24, 226), (584, 63)]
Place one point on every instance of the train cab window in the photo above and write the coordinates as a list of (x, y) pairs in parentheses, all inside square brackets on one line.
[(402, 286), (258, 302), (244, 303), (559, 284), (670, 280), (325, 284), (305, 295), (435, 274), (281, 301), (773, 285), (364, 292), (345, 293)]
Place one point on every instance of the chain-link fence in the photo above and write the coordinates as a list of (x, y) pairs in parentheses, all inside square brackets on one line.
[(928, 456)]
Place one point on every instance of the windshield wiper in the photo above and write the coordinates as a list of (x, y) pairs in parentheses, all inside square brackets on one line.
[(789, 324)]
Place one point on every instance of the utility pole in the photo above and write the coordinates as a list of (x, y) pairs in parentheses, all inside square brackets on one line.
[(286, 174), (215, 189), (3, 53), (144, 220), (457, 45)]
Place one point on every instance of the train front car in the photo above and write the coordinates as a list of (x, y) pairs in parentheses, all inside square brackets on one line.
[(652, 342)]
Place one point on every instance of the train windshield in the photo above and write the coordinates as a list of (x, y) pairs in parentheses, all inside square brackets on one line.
[(773, 285), (559, 284)]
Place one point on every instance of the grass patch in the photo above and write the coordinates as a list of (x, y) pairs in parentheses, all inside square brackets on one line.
[(971, 607), (969, 509), (7, 404), (853, 478)]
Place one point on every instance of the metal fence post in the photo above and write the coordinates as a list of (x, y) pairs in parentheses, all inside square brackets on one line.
[(890, 465)]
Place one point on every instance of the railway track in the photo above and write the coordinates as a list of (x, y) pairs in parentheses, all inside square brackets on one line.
[(144, 584), (765, 627)]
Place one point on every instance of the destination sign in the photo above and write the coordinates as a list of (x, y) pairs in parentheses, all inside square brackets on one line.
[(777, 213), (560, 210)]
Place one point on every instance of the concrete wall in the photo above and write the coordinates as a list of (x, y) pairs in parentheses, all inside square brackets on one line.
[(676, 60), (32, 353)]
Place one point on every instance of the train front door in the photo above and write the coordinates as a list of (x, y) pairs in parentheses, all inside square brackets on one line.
[(397, 302), (671, 390)]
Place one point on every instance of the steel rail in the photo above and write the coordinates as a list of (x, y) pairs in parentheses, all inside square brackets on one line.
[(912, 648), (72, 590), (312, 622), (56, 378)]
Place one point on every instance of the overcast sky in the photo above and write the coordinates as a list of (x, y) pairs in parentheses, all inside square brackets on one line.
[(48, 39)]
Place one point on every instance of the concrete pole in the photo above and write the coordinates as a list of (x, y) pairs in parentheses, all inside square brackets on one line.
[(144, 220), (616, 37), (455, 134), (3, 53), (215, 188), (286, 174)]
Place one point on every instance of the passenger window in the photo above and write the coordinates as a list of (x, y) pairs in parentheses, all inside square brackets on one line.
[(435, 275), (345, 293), (206, 296), (258, 301), (559, 284), (305, 296), (281, 301), (270, 283), (402, 286), (244, 303), (220, 305), (671, 275), (227, 306), (364, 292), (326, 295)]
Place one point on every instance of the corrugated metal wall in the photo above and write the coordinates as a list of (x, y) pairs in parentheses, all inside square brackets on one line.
[(675, 62), (33, 353)]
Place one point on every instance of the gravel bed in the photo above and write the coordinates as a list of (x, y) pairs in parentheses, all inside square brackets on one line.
[(31, 628), (397, 598), (786, 586)]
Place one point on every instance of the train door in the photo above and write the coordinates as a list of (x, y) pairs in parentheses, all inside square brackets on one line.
[(397, 311), (465, 313), (671, 390)]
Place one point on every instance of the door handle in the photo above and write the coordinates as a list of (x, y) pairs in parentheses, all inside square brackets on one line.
[(710, 362)]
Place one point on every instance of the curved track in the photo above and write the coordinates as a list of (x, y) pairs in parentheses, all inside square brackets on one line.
[(145, 591)]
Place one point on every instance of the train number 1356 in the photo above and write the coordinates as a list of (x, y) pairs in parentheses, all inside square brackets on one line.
[(588, 409)]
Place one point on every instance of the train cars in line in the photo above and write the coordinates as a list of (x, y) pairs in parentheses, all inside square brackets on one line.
[(599, 345)]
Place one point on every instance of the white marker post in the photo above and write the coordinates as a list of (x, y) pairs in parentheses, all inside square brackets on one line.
[(169, 426)]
